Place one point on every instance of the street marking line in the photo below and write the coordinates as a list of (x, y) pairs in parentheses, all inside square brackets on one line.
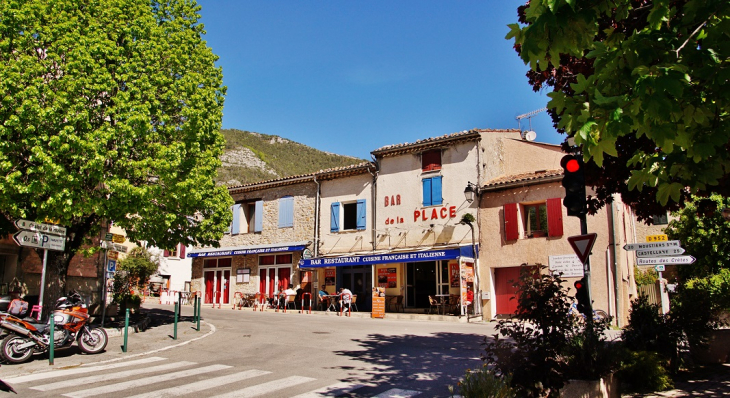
[(202, 385), (69, 372), (397, 393), (332, 390), (112, 376), (265, 388), (144, 381)]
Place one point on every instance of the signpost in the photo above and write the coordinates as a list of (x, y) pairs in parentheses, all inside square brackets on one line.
[(655, 245), (43, 236), (670, 251), (665, 260), (582, 245), (657, 238), (658, 252), (659, 268)]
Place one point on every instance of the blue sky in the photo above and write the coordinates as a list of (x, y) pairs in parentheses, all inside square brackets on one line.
[(349, 77)]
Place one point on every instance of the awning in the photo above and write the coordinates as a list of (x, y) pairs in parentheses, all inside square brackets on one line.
[(405, 257), (244, 250)]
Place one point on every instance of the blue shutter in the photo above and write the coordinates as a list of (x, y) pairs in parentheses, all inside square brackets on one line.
[(286, 212), (236, 225), (335, 217), (436, 197), (259, 216), (427, 192), (362, 213)]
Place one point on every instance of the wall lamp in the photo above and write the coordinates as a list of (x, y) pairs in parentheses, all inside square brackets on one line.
[(470, 192)]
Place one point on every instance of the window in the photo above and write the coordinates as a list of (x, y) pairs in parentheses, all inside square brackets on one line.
[(431, 160), (661, 219), (275, 259), (348, 216), (432, 191), (540, 219), (286, 212), (174, 252), (247, 217), (217, 263)]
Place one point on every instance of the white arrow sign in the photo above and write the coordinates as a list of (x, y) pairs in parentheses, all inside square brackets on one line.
[(40, 227), (665, 260), (654, 245), (670, 251), (37, 239)]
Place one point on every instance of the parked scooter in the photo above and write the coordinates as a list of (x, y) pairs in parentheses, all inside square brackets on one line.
[(70, 323)]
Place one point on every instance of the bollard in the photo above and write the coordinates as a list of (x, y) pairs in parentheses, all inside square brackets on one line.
[(200, 303), (126, 327), (195, 308), (51, 343), (174, 333)]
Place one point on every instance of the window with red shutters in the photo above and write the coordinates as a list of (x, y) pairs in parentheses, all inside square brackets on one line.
[(555, 217), (182, 250), (511, 226), (166, 253), (431, 160)]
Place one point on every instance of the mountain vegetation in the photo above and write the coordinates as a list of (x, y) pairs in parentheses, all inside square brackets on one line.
[(251, 157)]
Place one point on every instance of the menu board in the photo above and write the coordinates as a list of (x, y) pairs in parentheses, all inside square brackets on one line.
[(378, 302)]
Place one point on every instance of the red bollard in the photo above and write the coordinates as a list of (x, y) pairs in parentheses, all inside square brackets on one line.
[(301, 310)]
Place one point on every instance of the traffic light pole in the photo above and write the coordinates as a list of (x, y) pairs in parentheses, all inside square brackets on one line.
[(587, 269)]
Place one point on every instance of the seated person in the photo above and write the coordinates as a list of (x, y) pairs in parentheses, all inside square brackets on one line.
[(345, 298), (289, 292), (323, 299)]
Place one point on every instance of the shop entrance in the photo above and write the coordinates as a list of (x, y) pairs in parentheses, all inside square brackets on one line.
[(216, 286), (420, 283), (273, 279), (359, 279)]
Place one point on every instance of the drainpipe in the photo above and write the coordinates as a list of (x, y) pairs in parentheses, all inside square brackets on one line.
[(616, 289), (374, 218), (316, 219)]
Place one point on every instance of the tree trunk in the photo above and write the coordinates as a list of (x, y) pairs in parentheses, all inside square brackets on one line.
[(55, 286)]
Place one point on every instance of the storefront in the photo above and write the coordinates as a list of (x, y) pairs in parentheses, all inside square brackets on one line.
[(412, 276)]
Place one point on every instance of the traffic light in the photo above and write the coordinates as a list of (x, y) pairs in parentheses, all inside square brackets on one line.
[(581, 296), (575, 185)]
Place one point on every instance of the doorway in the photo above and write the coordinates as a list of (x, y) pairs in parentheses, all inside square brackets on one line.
[(217, 286), (273, 279), (421, 282), (359, 279)]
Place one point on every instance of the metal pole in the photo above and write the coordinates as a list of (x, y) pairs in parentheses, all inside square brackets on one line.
[(51, 344), (174, 333), (43, 283), (478, 293), (195, 308), (200, 303), (126, 326), (103, 290), (587, 269)]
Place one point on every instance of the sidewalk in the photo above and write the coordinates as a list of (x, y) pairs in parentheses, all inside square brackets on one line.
[(153, 332)]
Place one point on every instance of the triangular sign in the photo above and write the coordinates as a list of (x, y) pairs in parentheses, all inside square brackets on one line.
[(582, 245)]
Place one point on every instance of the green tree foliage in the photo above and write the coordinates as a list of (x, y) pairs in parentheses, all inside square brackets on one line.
[(139, 265), (643, 87), (110, 110), (704, 233)]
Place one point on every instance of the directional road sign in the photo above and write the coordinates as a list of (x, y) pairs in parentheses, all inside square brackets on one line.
[(582, 245), (40, 227), (659, 268), (669, 251), (37, 239), (113, 246), (655, 245), (665, 260)]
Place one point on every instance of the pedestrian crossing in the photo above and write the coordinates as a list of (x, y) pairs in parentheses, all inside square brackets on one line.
[(150, 377)]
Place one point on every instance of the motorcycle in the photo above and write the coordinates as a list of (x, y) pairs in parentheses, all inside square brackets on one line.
[(70, 319)]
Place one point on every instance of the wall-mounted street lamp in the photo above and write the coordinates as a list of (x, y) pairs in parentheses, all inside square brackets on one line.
[(470, 192)]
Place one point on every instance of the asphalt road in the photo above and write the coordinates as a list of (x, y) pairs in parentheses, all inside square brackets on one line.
[(270, 355)]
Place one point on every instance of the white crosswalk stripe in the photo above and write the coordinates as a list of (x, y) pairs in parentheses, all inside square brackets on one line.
[(79, 370), (112, 379), (144, 381)]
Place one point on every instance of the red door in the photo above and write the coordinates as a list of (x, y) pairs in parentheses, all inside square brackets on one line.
[(226, 282), (217, 288), (262, 281), (284, 278), (209, 277), (505, 293)]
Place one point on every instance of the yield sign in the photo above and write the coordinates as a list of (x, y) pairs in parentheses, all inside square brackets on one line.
[(582, 245)]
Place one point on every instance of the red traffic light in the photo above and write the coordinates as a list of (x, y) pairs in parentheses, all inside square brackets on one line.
[(578, 285), (572, 165)]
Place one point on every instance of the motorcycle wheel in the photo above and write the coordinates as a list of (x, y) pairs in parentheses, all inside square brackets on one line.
[(93, 341), (10, 352)]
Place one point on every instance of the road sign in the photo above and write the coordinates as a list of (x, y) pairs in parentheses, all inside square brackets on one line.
[(582, 245), (111, 266), (113, 246), (112, 255), (669, 251), (108, 236), (657, 238), (40, 227), (659, 268), (37, 239), (116, 238), (665, 260), (656, 245)]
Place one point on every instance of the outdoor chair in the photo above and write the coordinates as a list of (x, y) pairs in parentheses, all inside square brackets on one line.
[(353, 305), (434, 304), (399, 303), (291, 300)]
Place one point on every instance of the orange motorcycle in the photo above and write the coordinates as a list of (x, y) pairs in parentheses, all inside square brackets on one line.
[(70, 319)]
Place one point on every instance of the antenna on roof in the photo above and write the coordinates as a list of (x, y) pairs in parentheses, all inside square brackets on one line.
[(528, 135)]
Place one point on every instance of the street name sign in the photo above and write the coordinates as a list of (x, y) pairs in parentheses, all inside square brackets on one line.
[(669, 251), (37, 239), (655, 245), (40, 227), (582, 245), (665, 260)]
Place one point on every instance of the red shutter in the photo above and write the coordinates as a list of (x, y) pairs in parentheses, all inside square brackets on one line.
[(182, 250), (511, 230), (555, 217), (166, 254)]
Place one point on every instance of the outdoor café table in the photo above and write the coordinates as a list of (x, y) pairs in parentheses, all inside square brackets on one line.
[(333, 298), (443, 303)]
